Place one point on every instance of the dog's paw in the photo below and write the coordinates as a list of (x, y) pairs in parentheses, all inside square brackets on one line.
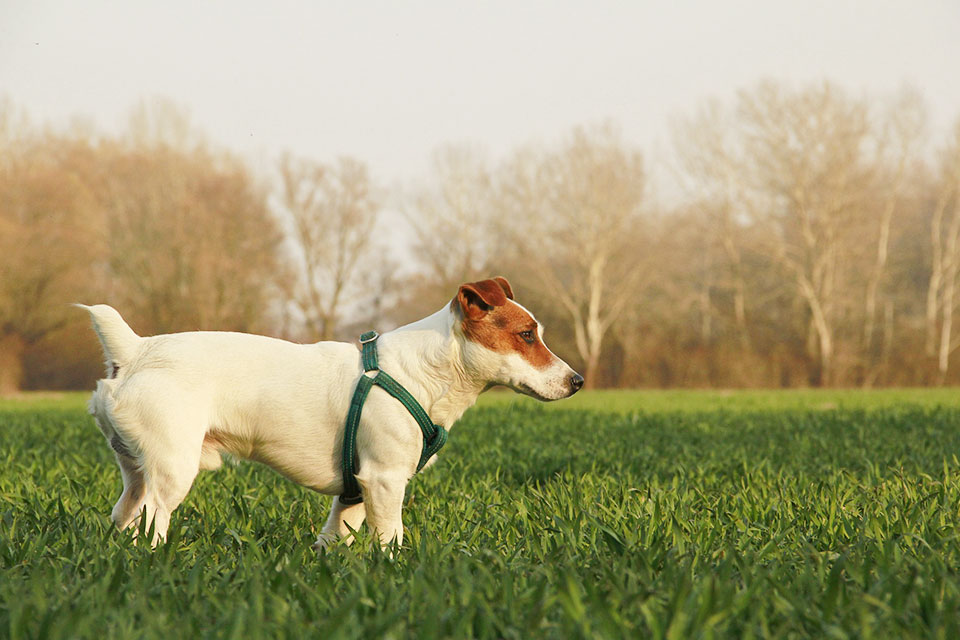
[(324, 542)]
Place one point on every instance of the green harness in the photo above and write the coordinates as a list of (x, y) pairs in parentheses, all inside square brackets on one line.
[(434, 436)]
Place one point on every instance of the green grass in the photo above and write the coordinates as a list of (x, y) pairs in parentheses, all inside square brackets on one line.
[(33, 401), (640, 401), (630, 514)]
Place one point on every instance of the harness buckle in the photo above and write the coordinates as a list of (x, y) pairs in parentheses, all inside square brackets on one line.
[(368, 337)]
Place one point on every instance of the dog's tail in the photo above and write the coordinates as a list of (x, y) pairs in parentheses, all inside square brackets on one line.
[(120, 343)]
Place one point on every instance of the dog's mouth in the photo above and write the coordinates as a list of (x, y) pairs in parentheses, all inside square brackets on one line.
[(527, 390)]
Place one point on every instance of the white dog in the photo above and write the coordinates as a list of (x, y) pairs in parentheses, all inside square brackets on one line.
[(171, 404)]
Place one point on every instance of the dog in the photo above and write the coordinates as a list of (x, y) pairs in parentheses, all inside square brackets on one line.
[(172, 404)]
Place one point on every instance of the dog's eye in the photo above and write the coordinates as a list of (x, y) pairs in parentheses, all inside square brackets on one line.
[(527, 336)]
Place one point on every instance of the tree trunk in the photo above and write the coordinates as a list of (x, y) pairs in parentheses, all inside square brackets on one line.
[(883, 249), (12, 347), (936, 275), (327, 327), (590, 375), (826, 357), (873, 284), (823, 331), (594, 329), (887, 336), (951, 263), (739, 288), (946, 328)]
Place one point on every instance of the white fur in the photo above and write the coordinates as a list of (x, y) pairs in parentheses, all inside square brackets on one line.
[(178, 401)]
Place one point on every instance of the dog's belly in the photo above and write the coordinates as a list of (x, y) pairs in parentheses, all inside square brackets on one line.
[(314, 465), (299, 438)]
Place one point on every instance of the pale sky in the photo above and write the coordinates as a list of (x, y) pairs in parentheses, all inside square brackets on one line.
[(390, 82)]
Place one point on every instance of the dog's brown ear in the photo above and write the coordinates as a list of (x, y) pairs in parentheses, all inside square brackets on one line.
[(507, 289), (479, 298)]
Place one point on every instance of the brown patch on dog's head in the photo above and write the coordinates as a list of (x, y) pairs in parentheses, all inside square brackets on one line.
[(479, 298), (492, 319)]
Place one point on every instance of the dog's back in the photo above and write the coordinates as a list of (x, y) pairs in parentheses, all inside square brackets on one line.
[(220, 359)]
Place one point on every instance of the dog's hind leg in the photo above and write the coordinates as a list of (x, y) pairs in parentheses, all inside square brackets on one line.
[(128, 507), (167, 481), (168, 441), (341, 516)]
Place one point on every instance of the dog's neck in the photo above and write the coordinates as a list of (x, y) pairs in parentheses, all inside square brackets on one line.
[(426, 357)]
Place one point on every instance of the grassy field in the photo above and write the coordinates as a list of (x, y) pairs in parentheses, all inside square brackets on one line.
[(614, 514)]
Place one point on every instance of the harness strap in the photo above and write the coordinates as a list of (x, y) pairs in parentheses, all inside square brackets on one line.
[(434, 435)]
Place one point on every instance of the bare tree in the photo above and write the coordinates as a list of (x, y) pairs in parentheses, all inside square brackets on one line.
[(811, 179), (573, 218), (898, 144), (712, 158), (330, 212), (806, 154), (48, 237), (451, 219), (192, 243), (945, 244)]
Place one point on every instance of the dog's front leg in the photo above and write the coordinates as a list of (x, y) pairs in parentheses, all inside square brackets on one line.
[(383, 495), (342, 518)]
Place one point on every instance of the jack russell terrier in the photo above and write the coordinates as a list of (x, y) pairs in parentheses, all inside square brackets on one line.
[(172, 404)]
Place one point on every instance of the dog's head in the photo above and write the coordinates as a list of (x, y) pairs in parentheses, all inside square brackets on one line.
[(503, 343)]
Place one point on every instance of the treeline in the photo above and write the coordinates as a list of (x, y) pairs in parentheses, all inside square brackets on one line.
[(815, 241)]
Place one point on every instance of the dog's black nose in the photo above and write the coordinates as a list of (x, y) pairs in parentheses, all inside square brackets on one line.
[(576, 382)]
